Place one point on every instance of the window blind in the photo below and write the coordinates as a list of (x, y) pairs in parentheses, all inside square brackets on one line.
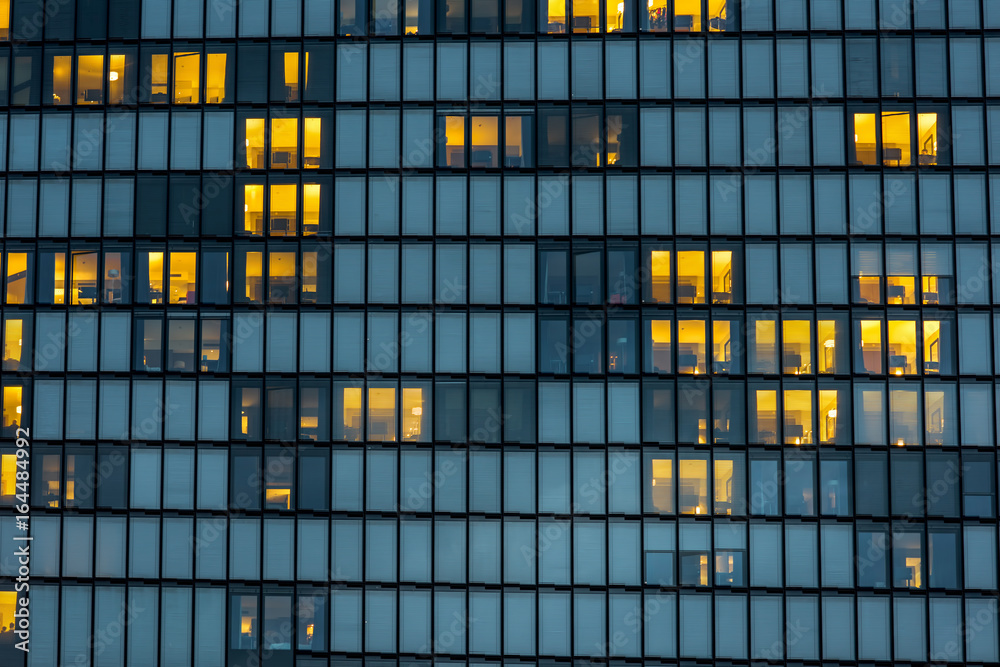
[(77, 542), (319, 17), (24, 139), (946, 630), (89, 131), (765, 555), (485, 208), (623, 412), (285, 18), (144, 547), (873, 628), (414, 620), (837, 556), (588, 412), (209, 626), (352, 67), (803, 615), (244, 548), (731, 626), (519, 278), (519, 622), (451, 71), (484, 265), (801, 555), (178, 473), (553, 65), (211, 553), (75, 622), (213, 400), (796, 204), (724, 136), (417, 190), (590, 625), (553, 623), (281, 350), (696, 626), (145, 478), (450, 205), (793, 59), (109, 605), (248, 349), (278, 544), (21, 207), (624, 549), (178, 535), (909, 632), (587, 80), (346, 617), (120, 141), (175, 648), (86, 206), (588, 553), (758, 68), (114, 411), (81, 416), (793, 127), (314, 336), (553, 412), (48, 422), (689, 70), (620, 57), (384, 147), (796, 273), (313, 543), (970, 204), (153, 140), (660, 625), (484, 339), (212, 467), (622, 205), (767, 636), (380, 620), (418, 71), (485, 71), (761, 204), (55, 142)]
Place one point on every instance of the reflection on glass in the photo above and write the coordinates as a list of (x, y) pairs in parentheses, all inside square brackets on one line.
[(907, 559), (724, 480)]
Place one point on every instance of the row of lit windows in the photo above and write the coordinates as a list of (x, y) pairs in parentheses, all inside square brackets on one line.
[(685, 482), (759, 412), (280, 621)]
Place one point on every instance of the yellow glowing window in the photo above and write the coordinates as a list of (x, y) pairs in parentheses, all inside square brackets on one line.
[(381, 414), (722, 346), (864, 139), (83, 279), (284, 143), (411, 23), (70, 477), (869, 289), (8, 479), (155, 271), (248, 622), (116, 78), (8, 599), (827, 416), (691, 346), (723, 482), (215, 77), (766, 414), (798, 417), (932, 346), (658, 18), (158, 78), (896, 138), (182, 277), (90, 80), (722, 276), (283, 219), (902, 347), (687, 15), (278, 498), (615, 16), (661, 351), (211, 344), (413, 413), (717, 15), (663, 485), (826, 335), (281, 277), (693, 485), (255, 142), (254, 282), (660, 276), (250, 410), (690, 276), (17, 277), (514, 141), (309, 408), (253, 209), (797, 353), (871, 345), (13, 343), (927, 138), (12, 407), (187, 77), (291, 72), (586, 17), (62, 79), (59, 278), (765, 345), (900, 290), (312, 144), (352, 413), (931, 286), (310, 208), (4, 36), (555, 16), (485, 142), (454, 130), (310, 282)]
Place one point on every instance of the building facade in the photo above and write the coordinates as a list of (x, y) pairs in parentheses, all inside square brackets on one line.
[(500, 331)]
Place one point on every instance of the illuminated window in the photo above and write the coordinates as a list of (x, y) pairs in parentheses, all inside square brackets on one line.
[(311, 201), (693, 483), (215, 77), (187, 77), (159, 82), (723, 336), (765, 414), (871, 346), (8, 487), (113, 281), (278, 484), (904, 415), (722, 276), (51, 479), (718, 17), (253, 209), (62, 79), (255, 142), (660, 353), (797, 350), (927, 143), (283, 218), (517, 138), (58, 278), (687, 15), (936, 289), (312, 144), (723, 483), (90, 80), (116, 78), (902, 347), (151, 263), (901, 290), (415, 415), (484, 149), (83, 277), (284, 142), (310, 276), (149, 355), (907, 559), (620, 139), (211, 344), (13, 343), (281, 277), (690, 276), (827, 416), (291, 76), (382, 414), (349, 399), (554, 16), (411, 18), (826, 337), (586, 15), (183, 277), (244, 623), (764, 346), (657, 17), (253, 286), (798, 416), (939, 415), (17, 277), (660, 276), (662, 485), (865, 146), (932, 346), (896, 139), (691, 346), (453, 151), (4, 36), (250, 413)]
